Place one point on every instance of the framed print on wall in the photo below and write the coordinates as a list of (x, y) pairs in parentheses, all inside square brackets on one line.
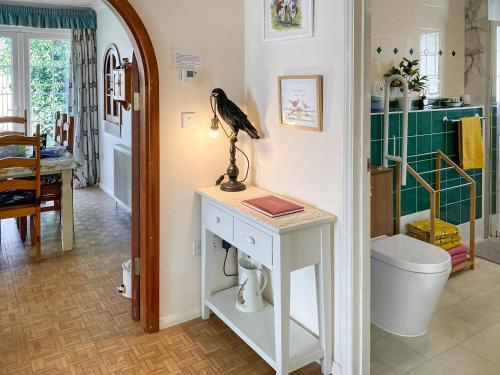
[(288, 19), (301, 102)]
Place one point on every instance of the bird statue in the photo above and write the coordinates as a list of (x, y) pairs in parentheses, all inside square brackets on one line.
[(233, 115), (237, 120)]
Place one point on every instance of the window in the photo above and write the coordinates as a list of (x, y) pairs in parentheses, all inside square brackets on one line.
[(34, 74), (49, 78), (112, 108), (6, 87), (429, 62)]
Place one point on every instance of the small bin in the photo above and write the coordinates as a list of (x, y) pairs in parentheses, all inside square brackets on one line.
[(126, 289)]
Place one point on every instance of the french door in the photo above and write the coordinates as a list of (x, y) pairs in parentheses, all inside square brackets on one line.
[(34, 74)]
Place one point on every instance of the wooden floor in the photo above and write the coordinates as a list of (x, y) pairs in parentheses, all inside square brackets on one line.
[(63, 316)]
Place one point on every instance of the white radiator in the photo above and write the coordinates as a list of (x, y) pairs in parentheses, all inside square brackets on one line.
[(123, 175)]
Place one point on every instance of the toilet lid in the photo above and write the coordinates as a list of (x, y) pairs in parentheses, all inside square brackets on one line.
[(410, 254)]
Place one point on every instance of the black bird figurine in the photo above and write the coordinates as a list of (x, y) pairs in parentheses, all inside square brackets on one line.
[(233, 115), (237, 121)]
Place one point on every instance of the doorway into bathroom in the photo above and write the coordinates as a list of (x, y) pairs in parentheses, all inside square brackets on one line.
[(448, 193)]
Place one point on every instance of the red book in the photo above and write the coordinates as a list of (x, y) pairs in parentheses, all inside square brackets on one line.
[(273, 206)]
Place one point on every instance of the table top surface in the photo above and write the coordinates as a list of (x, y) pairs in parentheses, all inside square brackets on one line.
[(47, 166), (309, 217)]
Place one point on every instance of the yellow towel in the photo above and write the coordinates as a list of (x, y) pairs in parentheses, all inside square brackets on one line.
[(471, 143)]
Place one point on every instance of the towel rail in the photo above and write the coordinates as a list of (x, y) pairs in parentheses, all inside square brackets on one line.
[(455, 121)]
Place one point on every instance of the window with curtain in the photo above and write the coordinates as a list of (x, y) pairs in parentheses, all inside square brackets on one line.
[(34, 74)]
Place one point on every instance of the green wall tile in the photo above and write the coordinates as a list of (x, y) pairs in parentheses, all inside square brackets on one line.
[(424, 144), (394, 125), (412, 123), (437, 122), (376, 153), (412, 146), (424, 123), (377, 127), (408, 202), (423, 199), (439, 142), (469, 112), (453, 212)]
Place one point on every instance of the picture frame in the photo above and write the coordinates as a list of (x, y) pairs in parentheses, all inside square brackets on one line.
[(288, 19), (301, 102)]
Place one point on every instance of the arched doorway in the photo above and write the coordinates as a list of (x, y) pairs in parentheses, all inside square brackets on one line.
[(146, 168)]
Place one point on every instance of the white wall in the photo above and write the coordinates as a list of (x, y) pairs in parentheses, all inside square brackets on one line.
[(109, 30), (400, 23), (301, 164), (189, 158)]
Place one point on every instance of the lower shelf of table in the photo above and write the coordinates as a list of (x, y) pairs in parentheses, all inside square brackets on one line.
[(257, 330)]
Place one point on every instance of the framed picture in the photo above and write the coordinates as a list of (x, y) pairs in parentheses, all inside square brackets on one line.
[(288, 19), (301, 102)]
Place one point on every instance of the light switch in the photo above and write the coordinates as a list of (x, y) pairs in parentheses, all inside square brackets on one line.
[(188, 119)]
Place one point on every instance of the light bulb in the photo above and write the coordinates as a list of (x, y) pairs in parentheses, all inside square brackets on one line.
[(214, 134), (214, 128)]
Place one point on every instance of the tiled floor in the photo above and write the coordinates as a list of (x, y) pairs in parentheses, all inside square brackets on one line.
[(63, 316), (463, 336)]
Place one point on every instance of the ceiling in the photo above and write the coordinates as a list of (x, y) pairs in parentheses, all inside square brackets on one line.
[(76, 3)]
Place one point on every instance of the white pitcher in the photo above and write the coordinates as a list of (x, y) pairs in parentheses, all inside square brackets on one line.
[(249, 298)]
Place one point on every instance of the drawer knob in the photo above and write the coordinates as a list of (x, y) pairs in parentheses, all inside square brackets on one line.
[(217, 220), (251, 240)]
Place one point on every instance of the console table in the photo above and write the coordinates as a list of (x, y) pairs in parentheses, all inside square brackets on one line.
[(282, 245)]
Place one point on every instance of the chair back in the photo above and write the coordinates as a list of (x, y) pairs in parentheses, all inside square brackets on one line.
[(65, 130), (12, 125), (22, 162)]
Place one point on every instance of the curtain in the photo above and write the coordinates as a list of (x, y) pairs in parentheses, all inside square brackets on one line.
[(83, 106), (49, 18)]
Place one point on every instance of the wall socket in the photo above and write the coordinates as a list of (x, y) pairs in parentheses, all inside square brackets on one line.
[(196, 248)]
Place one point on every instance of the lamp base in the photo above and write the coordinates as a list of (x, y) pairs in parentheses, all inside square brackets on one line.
[(233, 186)]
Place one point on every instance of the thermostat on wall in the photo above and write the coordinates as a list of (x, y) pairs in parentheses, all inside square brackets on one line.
[(188, 75)]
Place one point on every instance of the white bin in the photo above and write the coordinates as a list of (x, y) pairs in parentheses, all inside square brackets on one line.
[(127, 279)]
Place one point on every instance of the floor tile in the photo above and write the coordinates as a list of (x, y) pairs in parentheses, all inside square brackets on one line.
[(457, 361), (391, 357)]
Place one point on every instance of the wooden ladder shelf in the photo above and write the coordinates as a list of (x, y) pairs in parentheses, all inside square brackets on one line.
[(435, 199)]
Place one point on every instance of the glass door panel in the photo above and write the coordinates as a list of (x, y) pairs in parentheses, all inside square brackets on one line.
[(49, 62), (6, 77)]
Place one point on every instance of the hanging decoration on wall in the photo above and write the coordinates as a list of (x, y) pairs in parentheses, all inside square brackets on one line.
[(288, 19), (301, 102)]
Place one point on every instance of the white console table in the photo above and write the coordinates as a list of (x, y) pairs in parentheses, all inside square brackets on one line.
[(282, 245)]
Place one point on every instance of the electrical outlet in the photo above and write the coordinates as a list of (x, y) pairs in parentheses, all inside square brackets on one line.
[(196, 248)]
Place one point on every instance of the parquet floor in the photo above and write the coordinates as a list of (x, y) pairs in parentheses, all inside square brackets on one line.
[(63, 316)]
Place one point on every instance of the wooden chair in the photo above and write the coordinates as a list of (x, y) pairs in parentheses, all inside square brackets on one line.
[(21, 196), (65, 135), (11, 125)]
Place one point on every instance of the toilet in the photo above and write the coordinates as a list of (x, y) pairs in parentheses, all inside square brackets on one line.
[(407, 279)]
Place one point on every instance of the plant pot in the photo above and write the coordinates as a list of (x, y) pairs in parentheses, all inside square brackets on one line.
[(401, 102)]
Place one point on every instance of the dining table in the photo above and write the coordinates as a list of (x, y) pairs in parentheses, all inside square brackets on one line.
[(62, 164)]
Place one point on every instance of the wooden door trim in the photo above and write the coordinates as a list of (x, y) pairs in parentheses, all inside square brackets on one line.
[(148, 230)]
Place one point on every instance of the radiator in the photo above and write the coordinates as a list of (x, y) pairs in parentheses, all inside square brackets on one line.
[(123, 175)]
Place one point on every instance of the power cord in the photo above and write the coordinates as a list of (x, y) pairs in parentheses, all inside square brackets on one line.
[(226, 246)]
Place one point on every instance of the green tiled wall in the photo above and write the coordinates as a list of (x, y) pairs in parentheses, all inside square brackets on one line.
[(427, 133)]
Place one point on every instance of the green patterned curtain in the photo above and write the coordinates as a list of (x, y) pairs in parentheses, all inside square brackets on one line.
[(48, 18), (84, 101)]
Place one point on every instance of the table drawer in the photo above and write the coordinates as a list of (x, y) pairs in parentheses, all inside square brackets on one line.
[(219, 222), (253, 242)]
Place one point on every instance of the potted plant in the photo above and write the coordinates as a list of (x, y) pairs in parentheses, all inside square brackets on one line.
[(416, 83)]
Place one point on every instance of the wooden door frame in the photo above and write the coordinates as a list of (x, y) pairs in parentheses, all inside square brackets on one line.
[(146, 228)]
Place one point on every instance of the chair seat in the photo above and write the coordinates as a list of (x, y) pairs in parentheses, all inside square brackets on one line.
[(17, 198)]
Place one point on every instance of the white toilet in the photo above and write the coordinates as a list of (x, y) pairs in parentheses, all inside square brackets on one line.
[(407, 278)]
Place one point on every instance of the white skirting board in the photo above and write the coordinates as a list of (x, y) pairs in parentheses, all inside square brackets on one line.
[(179, 318)]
